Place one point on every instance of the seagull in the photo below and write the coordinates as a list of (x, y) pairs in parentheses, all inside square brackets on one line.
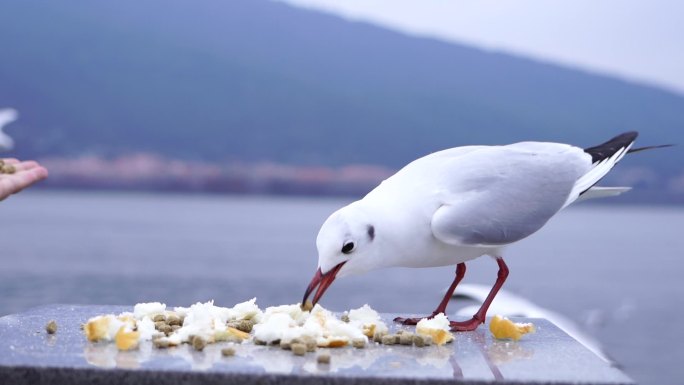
[(7, 116), (459, 204)]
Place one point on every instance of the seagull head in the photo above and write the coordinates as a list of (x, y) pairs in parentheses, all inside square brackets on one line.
[(346, 245)]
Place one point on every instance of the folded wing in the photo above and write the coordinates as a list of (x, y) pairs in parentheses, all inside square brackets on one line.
[(499, 195)]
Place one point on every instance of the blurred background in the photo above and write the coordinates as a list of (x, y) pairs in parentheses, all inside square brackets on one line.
[(195, 148)]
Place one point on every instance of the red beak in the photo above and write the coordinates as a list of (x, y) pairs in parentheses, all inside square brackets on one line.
[(323, 281)]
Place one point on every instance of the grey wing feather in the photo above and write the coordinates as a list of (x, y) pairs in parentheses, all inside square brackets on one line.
[(507, 193)]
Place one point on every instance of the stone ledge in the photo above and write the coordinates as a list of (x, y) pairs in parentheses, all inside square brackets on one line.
[(29, 356)]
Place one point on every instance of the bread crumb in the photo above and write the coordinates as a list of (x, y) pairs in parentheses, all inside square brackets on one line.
[(503, 328), (126, 340), (306, 306), (437, 328)]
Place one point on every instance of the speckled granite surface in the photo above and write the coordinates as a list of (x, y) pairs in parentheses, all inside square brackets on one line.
[(29, 356)]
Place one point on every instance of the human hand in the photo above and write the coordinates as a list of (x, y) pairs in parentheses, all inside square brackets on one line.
[(26, 173)]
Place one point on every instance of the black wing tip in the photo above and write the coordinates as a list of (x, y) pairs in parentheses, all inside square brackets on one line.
[(609, 148)]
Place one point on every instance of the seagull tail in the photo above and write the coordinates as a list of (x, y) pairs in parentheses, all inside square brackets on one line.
[(603, 158), (602, 192)]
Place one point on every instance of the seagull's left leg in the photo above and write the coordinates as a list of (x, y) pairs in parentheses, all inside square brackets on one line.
[(460, 273), (479, 317)]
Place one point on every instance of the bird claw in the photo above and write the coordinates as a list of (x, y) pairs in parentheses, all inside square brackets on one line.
[(413, 321), (407, 321), (465, 326)]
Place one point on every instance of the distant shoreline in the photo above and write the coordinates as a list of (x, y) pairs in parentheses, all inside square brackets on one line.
[(146, 172)]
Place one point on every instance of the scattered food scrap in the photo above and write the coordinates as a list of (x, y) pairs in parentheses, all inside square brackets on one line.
[(300, 329), (51, 327), (323, 359), (7, 168), (437, 328), (227, 352), (503, 328)]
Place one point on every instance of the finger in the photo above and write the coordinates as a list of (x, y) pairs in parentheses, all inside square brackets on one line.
[(11, 160), (26, 165), (36, 173), (13, 183)]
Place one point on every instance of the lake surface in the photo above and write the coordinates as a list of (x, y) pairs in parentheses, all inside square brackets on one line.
[(615, 270)]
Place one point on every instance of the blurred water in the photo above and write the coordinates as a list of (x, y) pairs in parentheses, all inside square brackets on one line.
[(614, 270)]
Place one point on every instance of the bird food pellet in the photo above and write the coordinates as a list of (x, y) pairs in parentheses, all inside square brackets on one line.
[(388, 339), (377, 336), (242, 325), (8, 169), (345, 318), (227, 352), (159, 318), (359, 343), (160, 343), (406, 339), (51, 327), (310, 343), (199, 343), (323, 359), (298, 349), (259, 342), (173, 319), (159, 325)]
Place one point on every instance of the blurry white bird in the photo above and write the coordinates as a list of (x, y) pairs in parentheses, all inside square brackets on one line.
[(7, 116), (455, 205), (508, 304)]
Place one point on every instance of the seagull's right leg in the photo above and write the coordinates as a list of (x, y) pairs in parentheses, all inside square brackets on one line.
[(460, 273), (479, 317)]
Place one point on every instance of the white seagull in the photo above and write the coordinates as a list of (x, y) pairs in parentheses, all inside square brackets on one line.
[(456, 205), (7, 116)]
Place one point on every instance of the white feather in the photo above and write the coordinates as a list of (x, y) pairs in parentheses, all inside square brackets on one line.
[(7, 116)]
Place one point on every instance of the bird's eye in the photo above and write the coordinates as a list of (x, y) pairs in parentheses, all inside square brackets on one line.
[(348, 247)]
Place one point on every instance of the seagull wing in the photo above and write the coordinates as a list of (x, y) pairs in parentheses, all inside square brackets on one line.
[(499, 195), (7, 116)]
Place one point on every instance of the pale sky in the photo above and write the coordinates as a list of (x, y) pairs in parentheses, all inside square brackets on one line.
[(637, 40)]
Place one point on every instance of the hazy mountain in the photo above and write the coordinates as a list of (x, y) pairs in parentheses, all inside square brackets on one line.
[(258, 80)]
